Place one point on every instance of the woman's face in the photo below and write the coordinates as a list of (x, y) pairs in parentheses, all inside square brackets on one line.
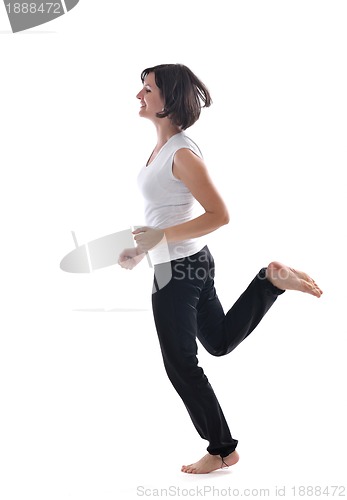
[(151, 101)]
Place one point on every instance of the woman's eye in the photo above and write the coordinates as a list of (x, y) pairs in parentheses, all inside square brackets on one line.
[(147, 90)]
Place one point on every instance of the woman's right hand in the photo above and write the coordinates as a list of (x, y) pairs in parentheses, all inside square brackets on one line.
[(130, 257)]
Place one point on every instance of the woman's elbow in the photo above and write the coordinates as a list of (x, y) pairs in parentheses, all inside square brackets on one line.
[(221, 218), (224, 218)]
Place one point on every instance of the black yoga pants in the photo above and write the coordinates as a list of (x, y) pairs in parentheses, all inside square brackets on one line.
[(186, 308)]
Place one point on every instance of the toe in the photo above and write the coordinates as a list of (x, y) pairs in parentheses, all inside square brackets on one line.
[(309, 287), (315, 290)]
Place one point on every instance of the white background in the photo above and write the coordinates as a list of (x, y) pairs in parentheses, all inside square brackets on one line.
[(87, 411)]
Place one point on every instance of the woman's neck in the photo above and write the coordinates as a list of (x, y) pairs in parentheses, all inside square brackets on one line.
[(165, 131)]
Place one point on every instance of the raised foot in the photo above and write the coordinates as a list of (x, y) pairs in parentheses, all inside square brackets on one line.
[(209, 463), (287, 278)]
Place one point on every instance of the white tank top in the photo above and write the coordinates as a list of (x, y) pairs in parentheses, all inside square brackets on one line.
[(167, 201)]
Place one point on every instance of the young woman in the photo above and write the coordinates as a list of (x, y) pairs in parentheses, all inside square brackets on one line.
[(187, 307)]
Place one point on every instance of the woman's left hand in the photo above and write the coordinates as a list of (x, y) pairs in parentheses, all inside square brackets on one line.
[(148, 237)]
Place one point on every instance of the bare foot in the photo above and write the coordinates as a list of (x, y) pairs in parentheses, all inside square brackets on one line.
[(208, 463), (287, 278)]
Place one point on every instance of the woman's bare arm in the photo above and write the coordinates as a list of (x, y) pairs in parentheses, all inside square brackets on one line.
[(192, 171)]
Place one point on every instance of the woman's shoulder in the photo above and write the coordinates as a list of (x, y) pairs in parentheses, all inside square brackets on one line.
[(182, 140)]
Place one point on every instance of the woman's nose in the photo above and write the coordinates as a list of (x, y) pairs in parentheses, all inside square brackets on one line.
[(139, 95)]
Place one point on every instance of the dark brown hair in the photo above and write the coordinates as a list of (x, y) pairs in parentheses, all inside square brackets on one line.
[(182, 91)]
